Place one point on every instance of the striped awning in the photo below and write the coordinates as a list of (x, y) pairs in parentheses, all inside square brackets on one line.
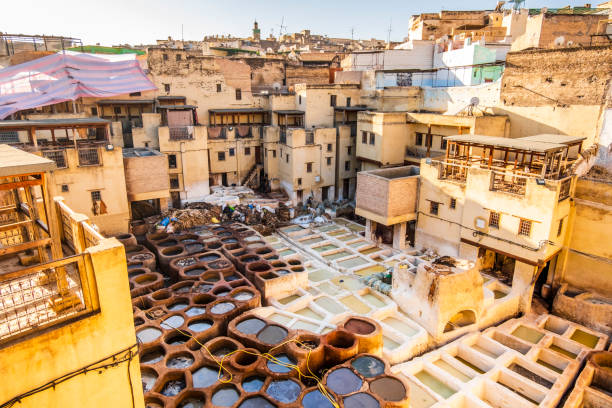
[(59, 78)]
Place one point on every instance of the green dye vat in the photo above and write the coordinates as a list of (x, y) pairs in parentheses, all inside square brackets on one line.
[(329, 304), (325, 248), (400, 326), (352, 262), (286, 252), (419, 398), (373, 300), (288, 299), (370, 250), (467, 363), (337, 255), (319, 275), (585, 338), (563, 351), (452, 370), (328, 288), (499, 294), (355, 304), (308, 312), (390, 344), (279, 318), (528, 334), (435, 384), (549, 366)]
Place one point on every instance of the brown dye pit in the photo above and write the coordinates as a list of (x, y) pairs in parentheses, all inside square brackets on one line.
[(388, 388), (359, 326)]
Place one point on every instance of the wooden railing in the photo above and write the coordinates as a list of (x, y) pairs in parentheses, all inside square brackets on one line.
[(44, 295), (75, 229)]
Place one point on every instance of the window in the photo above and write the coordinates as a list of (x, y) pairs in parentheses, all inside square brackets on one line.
[(238, 94), (328, 159), (94, 111), (494, 219), (453, 203), (299, 99), (174, 182), (347, 165), (165, 57), (419, 139), (135, 94), (218, 88), (443, 143), (433, 207), (348, 101), (349, 149), (560, 229), (117, 110), (274, 154), (221, 156), (166, 87), (65, 188), (308, 167), (332, 100), (364, 137), (299, 182), (96, 195), (247, 151), (524, 227), (172, 161), (179, 57), (287, 157), (231, 151), (372, 138), (329, 147)]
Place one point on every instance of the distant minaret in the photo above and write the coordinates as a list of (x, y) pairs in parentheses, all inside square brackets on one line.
[(256, 32)]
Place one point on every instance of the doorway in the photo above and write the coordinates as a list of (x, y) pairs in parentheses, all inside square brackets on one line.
[(346, 185), (224, 179)]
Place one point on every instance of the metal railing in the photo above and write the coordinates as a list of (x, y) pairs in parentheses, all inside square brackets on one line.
[(58, 156), (91, 236), (310, 138), (40, 296), (89, 156), (181, 132)]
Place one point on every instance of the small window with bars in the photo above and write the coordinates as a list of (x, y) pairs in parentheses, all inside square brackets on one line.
[(58, 156), (494, 219), (453, 203), (347, 165), (372, 138), (247, 151), (172, 161), (329, 161), (364, 137), (221, 156), (174, 182), (96, 195), (434, 207), (308, 167), (329, 147), (524, 227), (238, 94), (419, 139)]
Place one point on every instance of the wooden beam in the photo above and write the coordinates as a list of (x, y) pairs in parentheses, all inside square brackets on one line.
[(24, 246), (19, 184)]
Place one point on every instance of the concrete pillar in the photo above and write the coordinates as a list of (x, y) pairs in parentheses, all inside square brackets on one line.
[(370, 230), (399, 236), (522, 282)]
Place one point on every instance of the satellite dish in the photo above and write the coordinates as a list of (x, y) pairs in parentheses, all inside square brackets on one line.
[(474, 101)]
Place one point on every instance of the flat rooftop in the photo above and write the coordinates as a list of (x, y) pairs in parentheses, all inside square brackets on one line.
[(238, 110), (503, 142), (126, 101), (556, 139), (395, 172), (14, 161), (140, 152)]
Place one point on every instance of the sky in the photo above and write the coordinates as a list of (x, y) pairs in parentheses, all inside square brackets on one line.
[(112, 22)]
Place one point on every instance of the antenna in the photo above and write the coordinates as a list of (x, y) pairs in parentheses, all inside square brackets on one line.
[(182, 34), (352, 33), (282, 27), (389, 31)]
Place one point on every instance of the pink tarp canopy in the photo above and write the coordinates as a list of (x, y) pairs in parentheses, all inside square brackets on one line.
[(58, 78)]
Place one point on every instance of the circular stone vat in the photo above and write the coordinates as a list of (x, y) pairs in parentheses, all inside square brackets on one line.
[(250, 326), (208, 257), (180, 361), (225, 397), (359, 326), (220, 264), (368, 366), (177, 306), (256, 402), (138, 321), (272, 334), (211, 277), (176, 339), (148, 377), (242, 296), (277, 368), (185, 262), (253, 384), (136, 272), (343, 381), (285, 391), (193, 402), (172, 251), (199, 325), (173, 387), (197, 271), (388, 388), (221, 308), (204, 377), (361, 400), (193, 248), (148, 334), (314, 399), (152, 356), (173, 322), (195, 311), (168, 243)]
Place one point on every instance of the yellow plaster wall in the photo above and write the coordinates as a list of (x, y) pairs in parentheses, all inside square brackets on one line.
[(37, 360)]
